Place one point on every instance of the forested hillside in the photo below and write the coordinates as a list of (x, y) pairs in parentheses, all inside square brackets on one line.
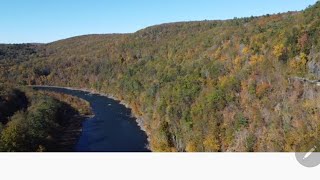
[(199, 86)]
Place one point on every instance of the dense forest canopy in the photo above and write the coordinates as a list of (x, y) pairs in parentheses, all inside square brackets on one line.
[(34, 121), (199, 86)]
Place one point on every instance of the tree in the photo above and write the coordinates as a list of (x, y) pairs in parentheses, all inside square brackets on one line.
[(13, 137), (299, 65), (1, 127), (280, 52)]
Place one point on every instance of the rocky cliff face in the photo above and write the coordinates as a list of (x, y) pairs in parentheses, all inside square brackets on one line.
[(314, 63)]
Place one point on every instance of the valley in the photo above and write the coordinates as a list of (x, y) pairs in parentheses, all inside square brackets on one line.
[(233, 85)]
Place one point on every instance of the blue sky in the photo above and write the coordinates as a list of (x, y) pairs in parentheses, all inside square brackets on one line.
[(49, 20)]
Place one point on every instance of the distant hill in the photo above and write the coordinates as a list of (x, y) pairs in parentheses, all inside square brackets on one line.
[(18, 52), (199, 86)]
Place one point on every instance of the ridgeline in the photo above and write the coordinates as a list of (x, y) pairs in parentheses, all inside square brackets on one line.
[(198, 86)]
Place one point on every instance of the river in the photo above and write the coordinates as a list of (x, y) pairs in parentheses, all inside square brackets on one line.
[(112, 129)]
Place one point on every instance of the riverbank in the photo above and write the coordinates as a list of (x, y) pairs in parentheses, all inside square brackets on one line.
[(70, 134), (39, 122), (139, 120), (79, 110)]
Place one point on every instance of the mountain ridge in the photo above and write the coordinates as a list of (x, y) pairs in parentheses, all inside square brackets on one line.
[(199, 86)]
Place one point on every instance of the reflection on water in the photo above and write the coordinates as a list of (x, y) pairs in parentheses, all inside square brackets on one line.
[(112, 129)]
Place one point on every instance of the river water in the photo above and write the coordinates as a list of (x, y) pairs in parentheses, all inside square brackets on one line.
[(112, 129)]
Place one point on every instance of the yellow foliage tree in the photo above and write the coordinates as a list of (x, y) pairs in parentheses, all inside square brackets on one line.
[(299, 66), (245, 51), (278, 50), (211, 144), (256, 59), (237, 63), (191, 147)]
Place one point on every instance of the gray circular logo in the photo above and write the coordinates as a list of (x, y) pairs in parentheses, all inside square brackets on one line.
[(309, 159)]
